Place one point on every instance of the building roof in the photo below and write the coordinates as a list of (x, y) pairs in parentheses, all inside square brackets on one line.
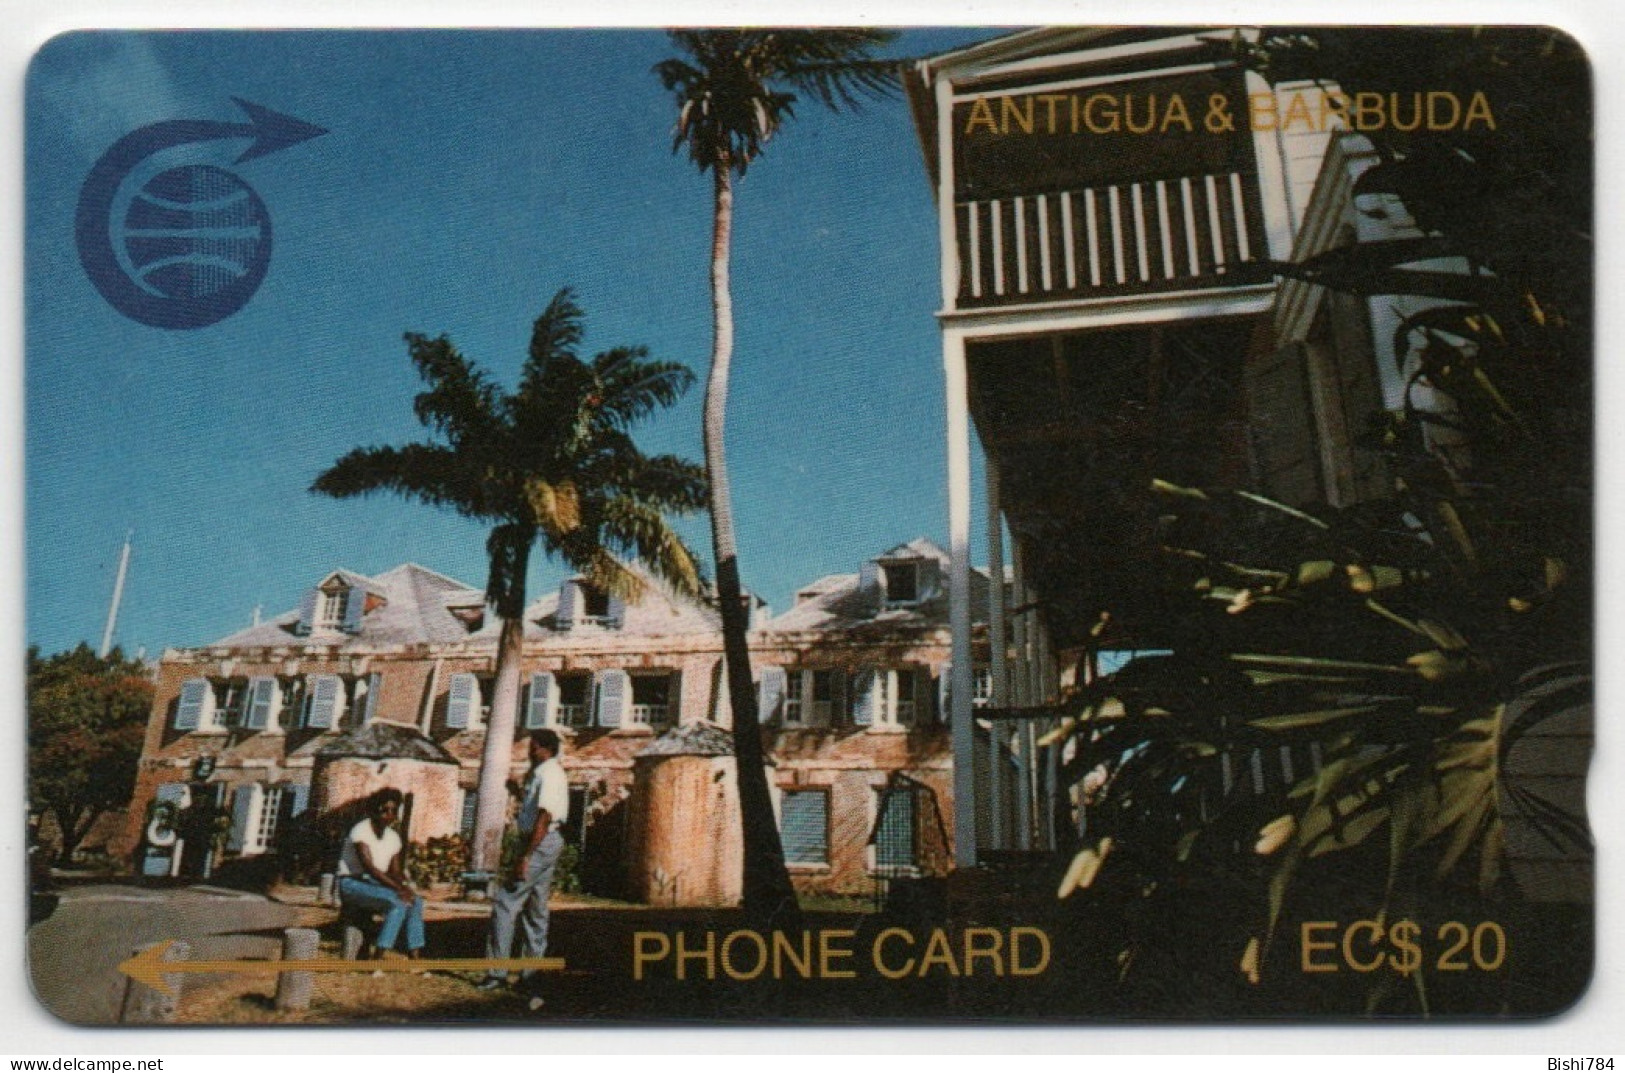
[(691, 739), (384, 741), (415, 611), (661, 613), (846, 602)]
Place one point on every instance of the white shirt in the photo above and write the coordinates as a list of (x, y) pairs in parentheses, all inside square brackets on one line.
[(381, 848), (547, 788)]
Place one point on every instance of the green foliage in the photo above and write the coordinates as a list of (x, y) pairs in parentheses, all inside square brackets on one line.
[(86, 720), (1407, 644), (439, 860), (553, 460)]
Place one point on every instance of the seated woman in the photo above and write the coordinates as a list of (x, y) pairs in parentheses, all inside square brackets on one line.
[(371, 875)]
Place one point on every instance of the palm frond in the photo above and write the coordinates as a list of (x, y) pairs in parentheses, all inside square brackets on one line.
[(429, 473), (641, 529), (460, 402)]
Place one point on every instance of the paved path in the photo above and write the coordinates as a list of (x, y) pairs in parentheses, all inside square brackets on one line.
[(73, 956)]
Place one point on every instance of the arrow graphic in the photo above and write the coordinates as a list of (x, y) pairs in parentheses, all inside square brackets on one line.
[(149, 967), (271, 131)]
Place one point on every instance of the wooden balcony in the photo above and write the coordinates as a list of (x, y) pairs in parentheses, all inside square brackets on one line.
[(1128, 238)]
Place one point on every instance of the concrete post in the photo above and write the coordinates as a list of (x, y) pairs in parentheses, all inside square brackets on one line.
[(293, 989), (325, 894), (144, 1005)]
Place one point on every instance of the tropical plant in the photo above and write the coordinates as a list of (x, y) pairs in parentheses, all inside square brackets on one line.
[(552, 461), (86, 719), (1401, 650), (734, 89)]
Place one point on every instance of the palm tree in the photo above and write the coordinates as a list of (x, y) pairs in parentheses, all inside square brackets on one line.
[(734, 89), (553, 461)]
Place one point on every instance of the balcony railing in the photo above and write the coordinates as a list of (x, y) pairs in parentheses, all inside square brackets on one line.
[(649, 715), (1122, 238), (572, 715)]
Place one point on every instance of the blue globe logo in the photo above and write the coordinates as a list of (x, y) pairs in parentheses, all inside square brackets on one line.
[(194, 243), (197, 234)]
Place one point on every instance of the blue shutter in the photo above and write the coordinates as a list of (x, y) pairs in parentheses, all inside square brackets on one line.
[(805, 827), (539, 713), (617, 613), (461, 699), (355, 605), (307, 610), (471, 800), (894, 832), (259, 710), (945, 693), (614, 697), (369, 707), (569, 596), (326, 691), (295, 798), (196, 697), (242, 815), (173, 793), (928, 579), (867, 684), (869, 579), (770, 694)]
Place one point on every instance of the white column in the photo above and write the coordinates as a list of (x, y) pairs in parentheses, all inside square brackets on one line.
[(947, 217), (966, 806), (998, 608), (1021, 675)]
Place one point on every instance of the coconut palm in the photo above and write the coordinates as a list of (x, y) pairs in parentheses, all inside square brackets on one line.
[(552, 461), (734, 90)]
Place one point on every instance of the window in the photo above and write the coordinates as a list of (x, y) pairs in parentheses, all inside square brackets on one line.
[(651, 699), (594, 604), (471, 800), (823, 695), (805, 827), (981, 687), (575, 699), (903, 682), (330, 608), (270, 814), (792, 697), (230, 699), (295, 699), (902, 582)]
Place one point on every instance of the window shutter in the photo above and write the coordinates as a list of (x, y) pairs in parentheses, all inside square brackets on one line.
[(543, 698), (245, 807), (616, 619), (369, 706), (894, 830), (569, 597), (326, 698), (173, 793), (945, 693), (869, 579), (295, 799), (196, 706), (770, 694), (307, 610), (614, 696), (867, 698), (355, 606), (259, 711), (805, 827), (461, 700), (928, 575)]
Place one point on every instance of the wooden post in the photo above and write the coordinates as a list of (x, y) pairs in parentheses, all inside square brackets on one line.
[(146, 1005), (293, 989)]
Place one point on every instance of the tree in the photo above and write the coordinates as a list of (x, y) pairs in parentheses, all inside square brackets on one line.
[(734, 89), (552, 461), (86, 719)]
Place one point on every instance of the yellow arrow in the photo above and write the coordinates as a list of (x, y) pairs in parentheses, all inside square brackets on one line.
[(150, 968)]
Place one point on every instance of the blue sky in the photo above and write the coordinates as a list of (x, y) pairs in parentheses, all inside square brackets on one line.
[(465, 178)]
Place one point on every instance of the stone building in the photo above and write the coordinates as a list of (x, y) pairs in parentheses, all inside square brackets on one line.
[(387, 680)]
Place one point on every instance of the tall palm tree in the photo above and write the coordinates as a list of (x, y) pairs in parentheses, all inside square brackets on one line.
[(552, 461), (734, 90)]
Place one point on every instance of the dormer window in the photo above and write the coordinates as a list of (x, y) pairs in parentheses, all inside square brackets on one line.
[(594, 604), (330, 607), (902, 582)]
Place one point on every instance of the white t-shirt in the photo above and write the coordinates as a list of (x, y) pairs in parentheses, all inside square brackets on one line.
[(381, 848), (548, 788)]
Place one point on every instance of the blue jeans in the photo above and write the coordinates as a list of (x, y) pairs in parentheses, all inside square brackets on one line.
[(526, 901), (366, 894)]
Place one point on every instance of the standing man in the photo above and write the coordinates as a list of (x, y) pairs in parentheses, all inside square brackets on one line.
[(544, 806)]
